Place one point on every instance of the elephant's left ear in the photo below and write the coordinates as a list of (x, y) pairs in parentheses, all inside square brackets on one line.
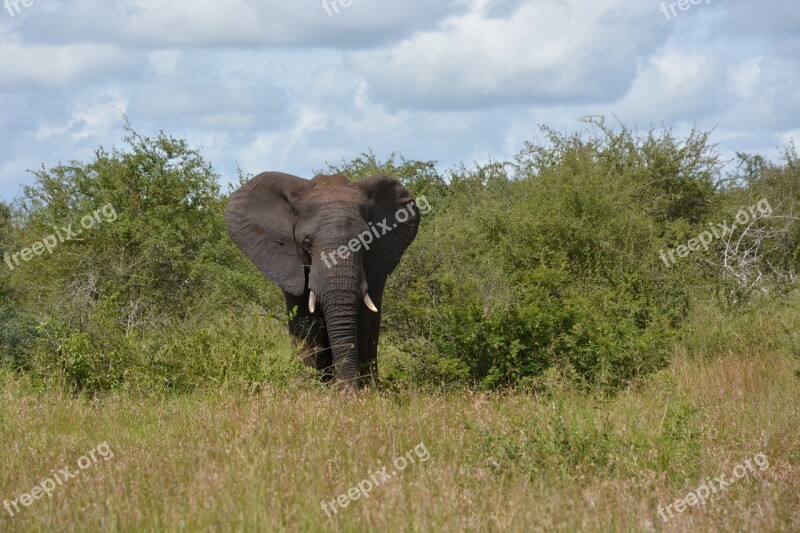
[(395, 218), (260, 217)]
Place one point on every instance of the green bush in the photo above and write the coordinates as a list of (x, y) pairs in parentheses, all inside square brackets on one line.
[(17, 330), (538, 271), (242, 350), (554, 266), (572, 443)]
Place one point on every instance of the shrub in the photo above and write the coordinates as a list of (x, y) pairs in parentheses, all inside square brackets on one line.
[(545, 269)]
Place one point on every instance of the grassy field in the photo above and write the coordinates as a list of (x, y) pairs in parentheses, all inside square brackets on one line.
[(226, 460)]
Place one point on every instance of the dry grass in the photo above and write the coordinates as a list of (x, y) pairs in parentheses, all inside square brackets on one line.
[(228, 461), (225, 460)]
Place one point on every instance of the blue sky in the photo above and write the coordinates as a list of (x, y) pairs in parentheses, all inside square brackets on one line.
[(290, 85)]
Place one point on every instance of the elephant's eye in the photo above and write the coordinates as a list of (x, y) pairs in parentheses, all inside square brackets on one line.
[(307, 244)]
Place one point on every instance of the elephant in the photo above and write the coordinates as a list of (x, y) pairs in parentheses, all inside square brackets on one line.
[(329, 244)]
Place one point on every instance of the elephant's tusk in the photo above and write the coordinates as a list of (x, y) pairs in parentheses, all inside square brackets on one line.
[(368, 301), (312, 301)]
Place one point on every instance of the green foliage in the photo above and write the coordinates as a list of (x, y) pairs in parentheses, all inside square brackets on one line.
[(554, 266), (17, 331), (542, 273), (160, 254), (241, 350), (755, 180), (572, 443), (162, 263)]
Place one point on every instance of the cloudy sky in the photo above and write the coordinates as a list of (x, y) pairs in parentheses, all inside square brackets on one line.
[(288, 85)]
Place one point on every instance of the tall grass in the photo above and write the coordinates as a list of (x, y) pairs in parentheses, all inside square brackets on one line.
[(222, 459)]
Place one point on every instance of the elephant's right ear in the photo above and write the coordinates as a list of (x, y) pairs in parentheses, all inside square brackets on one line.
[(261, 216)]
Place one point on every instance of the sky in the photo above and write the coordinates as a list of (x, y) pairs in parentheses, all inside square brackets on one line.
[(292, 85)]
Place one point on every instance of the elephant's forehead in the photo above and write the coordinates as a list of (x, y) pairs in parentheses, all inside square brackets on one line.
[(332, 180), (328, 190)]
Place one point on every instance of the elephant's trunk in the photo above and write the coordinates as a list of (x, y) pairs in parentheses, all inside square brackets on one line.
[(341, 296), (343, 334)]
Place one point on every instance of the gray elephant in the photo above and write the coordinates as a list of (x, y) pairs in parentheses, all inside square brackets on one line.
[(329, 244)]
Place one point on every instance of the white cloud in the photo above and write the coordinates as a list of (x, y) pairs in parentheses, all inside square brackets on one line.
[(539, 54), (204, 23), (165, 62), (675, 85), (745, 77), (92, 122), (36, 67), (767, 99), (273, 84), (274, 148)]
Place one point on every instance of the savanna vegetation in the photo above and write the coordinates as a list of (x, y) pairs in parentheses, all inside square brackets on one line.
[(561, 372)]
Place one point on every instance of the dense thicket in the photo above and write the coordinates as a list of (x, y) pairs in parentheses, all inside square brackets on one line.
[(547, 267)]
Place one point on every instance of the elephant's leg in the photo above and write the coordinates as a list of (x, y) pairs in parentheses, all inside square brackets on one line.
[(369, 330)]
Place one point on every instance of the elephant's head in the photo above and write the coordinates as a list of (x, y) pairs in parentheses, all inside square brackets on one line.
[(330, 245)]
